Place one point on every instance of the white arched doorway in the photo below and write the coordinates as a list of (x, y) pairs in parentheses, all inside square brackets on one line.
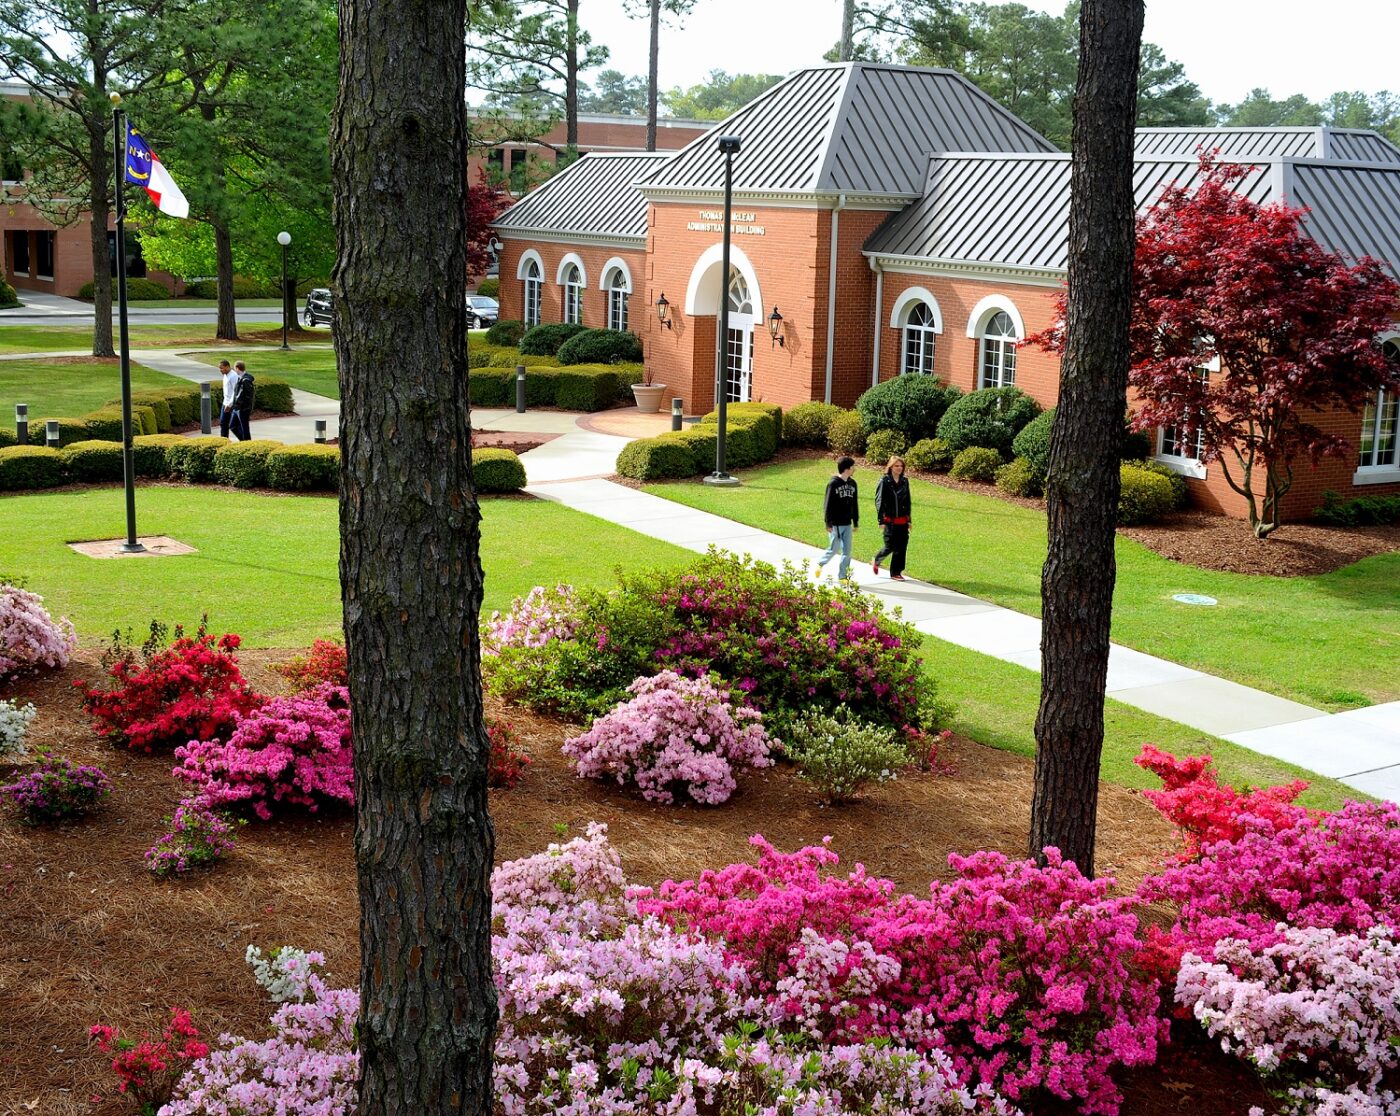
[(702, 298)]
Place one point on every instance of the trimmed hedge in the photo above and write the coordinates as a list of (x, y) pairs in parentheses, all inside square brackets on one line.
[(1145, 495), (70, 430), (160, 408), (1363, 511), (976, 463), (93, 461), (807, 424), (581, 387), (506, 332), (105, 425), (193, 458), (700, 441), (137, 290), (1033, 444), (884, 444), (489, 288), (600, 346), (272, 395), (661, 458), (1181, 493), (150, 453), (545, 340), (7, 438), (244, 464), (913, 405), (304, 468), (506, 356), (30, 467), (991, 418), (846, 434), (932, 455), (497, 470), (764, 420), (174, 406)]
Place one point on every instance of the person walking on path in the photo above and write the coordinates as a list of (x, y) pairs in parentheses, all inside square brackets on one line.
[(841, 510), (893, 503), (230, 380), (242, 404)]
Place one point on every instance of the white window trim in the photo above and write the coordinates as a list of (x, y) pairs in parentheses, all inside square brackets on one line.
[(525, 258), (572, 258), (537, 282), (906, 334), (706, 302), (904, 301), (989, 306), (617, 263)]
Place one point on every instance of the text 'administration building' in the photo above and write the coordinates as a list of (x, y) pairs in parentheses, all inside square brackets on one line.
[(890, 220)]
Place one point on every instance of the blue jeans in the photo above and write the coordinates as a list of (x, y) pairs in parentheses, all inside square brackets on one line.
[(841, 537)]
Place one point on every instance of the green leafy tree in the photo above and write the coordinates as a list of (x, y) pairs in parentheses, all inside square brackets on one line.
[(615, 92), (1167, 98), (720, 95), (1260, 110), (1379, 112)]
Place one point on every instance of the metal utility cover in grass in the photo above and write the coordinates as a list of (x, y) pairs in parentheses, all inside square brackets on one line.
[(157, 546), (1193, 598)]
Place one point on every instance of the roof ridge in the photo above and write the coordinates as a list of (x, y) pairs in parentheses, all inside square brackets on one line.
[(843, 108)]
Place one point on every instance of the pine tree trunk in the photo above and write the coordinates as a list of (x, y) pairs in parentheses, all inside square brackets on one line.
[(848, 27), (410, 569), (653, 73), (227, 324), (100, 156), (1082, 491), (571, 82)]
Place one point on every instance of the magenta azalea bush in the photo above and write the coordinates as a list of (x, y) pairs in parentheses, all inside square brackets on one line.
[(29, 636), (197, 837), (57, 790), (675, 734), (292, 751)]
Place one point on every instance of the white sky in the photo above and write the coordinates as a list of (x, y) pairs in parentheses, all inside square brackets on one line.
[(1227, 46)]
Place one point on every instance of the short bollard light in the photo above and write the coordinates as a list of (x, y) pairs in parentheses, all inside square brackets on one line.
[(206, 409), (677, 413), (51, 433), (320, 432), (22, 423), (520, 389)]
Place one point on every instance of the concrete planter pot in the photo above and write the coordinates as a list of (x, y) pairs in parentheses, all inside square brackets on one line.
[(648, 397)]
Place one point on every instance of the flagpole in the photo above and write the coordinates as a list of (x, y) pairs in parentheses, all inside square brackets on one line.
[(131, 546)]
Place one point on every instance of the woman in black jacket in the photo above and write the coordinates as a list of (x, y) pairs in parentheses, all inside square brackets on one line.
[(893, 503)]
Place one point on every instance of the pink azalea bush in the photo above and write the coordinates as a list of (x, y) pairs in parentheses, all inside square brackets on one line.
[(29, 636), (673, 734), (293, 751), (534, 620), (197, 837)]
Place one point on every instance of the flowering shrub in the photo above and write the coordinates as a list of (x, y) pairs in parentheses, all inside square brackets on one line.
[(146, 1070), (14, 727), (535, 620), (326, 663), (1193, 799), (293, 750), (166, 695), (197, 836), (507, 763), (57, 790), (287, 975), (1317, 1011), (674, 734), (839, 754), (29, 636)]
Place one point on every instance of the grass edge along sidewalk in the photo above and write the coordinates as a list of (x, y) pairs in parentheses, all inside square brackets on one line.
[(69, 387), (1324, 641)]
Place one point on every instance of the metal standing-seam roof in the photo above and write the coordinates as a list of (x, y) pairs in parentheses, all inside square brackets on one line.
[(593, 197), (1353, 208), (1239, 143), (855, 127)]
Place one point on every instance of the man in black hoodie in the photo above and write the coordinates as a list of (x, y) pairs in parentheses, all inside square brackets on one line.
[(842, 512)]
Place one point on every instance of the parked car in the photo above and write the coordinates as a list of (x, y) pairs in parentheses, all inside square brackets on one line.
[(482, 311), (319, 309)]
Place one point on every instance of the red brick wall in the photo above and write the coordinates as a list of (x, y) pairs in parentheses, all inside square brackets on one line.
[(595, 303), (72, 258)]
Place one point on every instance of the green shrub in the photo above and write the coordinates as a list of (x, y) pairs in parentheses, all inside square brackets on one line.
[(1032, 445), (184, 405), (30, 467), (244, 464), (304, 468), (846, 433), (497, 470), (202, 288), (489, 288), (93, 461), (245, 287), (585, 387), (976, 463), (193, 458), (70, 430), (137, 290), (840, 754), (1145, 496), (545, 340), (1181, 493), (742, 446), (151, 453), (159, 405), (144, 416), (882, 445), (700, 440), (631, 372), (763, 420), (483, 355), (506, 332), (931, 455), (105, 425), (807, 424), (913, 405), (491, 387), (990, 418), (600, 346), (661, 458), (1363, 511), (271, 394), (1018, 478), (8, 298), (1136, 444), (7, 438)]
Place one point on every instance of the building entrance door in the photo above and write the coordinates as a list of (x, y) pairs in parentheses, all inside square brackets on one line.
[(738, 346)]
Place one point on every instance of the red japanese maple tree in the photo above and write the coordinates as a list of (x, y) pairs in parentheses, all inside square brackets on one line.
[(485, 201), (1293, 327)]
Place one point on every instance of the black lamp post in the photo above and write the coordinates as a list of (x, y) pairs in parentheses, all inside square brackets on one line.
[(284, 239), (729, 147)]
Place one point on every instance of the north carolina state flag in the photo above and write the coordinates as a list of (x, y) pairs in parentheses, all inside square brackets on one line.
[(144, 169)]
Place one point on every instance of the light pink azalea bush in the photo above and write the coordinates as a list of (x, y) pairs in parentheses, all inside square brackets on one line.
[(29, 636), (673, 734), (293, 750), (534, 620)]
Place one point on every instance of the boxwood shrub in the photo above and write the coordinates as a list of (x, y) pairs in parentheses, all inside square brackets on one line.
[(137, 290), (700, 440), (763, 420), (271, 394), (70, 430), (30, 467), (661, 458), (1032, 444), (497, 470), (1181, 494), (1018, 478), (1145, 496), (489, 288), (882, 445), (1363, 511), (807, 424), (913, 405), (989, 418), (976, 463), (546, 339), (846, 434), (600, 346), (7, 437), (244, 464), (587, 387), (8, 298), (304, 468), (159, 405), (105, 425), (87, 462), (506, 332), (144, 416), (150, 453), (193, 458), (931, 455)]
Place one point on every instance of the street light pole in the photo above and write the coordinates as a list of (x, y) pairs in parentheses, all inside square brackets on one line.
[(284, 239), (729, 146)]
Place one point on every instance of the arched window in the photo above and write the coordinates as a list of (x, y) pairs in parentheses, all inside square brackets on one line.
[(919, 334), (998, 352), (573, 294), (1178, 448), (617, 300), (1380, 424), (534, 291)]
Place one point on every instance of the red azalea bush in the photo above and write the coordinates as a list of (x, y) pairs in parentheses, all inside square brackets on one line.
[(325, 663), (163, 695), (293, 750), (148, 1069), (508, 763)]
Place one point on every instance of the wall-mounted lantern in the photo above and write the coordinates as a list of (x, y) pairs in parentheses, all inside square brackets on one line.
[(775, 326), (663, 310)]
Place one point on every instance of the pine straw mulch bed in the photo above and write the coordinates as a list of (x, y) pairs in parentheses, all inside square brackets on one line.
[(88, 936)]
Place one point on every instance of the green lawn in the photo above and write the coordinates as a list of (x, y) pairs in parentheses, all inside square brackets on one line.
[(58, 389), (1332, 641), (311, 370), (58, 338), (267, 568)]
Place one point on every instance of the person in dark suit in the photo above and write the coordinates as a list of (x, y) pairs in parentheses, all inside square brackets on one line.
[(243, 394)]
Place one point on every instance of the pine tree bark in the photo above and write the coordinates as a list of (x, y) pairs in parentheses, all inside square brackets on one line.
[(410, 569), (653, 73), (848, 29), (226, 325), (571, 82), (100, 156), (1082, 489)]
